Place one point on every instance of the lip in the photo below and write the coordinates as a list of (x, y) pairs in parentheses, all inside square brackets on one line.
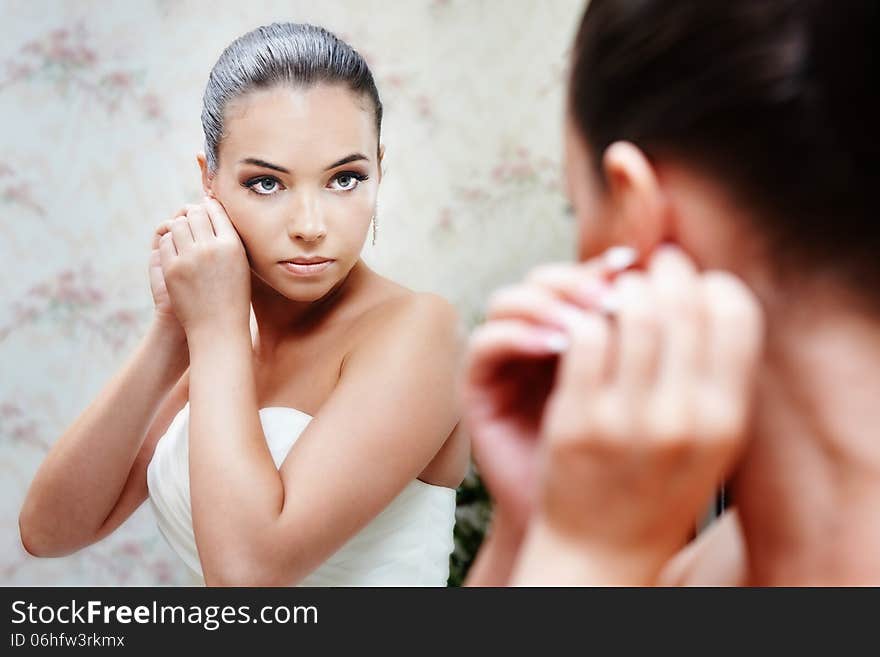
[(306, 266)]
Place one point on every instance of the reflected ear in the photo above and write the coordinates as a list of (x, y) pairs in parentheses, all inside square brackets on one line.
[(207, 178), (641, 212)]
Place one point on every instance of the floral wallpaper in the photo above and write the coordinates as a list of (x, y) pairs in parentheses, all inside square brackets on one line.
[(100, 104)]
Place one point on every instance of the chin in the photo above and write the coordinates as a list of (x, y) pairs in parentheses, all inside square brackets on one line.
[(307, 291), (304, 295)]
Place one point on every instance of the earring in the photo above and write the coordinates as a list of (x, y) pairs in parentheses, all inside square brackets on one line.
[(374, 230)]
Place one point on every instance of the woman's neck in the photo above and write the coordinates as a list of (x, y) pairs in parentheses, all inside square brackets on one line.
[(278, 318), (808, 487)]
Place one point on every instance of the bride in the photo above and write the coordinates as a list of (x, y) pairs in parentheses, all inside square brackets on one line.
[(314, 440)]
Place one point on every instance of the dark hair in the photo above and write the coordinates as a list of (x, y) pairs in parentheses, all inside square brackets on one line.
[(293, 54), (776, 99)]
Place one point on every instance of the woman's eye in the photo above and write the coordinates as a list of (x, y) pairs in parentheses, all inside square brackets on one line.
[(264, 186), (347, 180)]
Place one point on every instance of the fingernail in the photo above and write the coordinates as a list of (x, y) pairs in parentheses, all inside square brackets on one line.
[(618, 258), (556, 343), (609, 303)]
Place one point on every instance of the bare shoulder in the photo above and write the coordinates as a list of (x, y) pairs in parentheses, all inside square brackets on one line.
[(717, 557), (414, 316)]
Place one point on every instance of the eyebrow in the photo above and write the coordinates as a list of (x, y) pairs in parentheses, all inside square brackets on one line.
[(262, 163), (348, 158), (354, 157)]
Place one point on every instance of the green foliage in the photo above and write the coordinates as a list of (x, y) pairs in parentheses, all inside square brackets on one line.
[(472, 513)]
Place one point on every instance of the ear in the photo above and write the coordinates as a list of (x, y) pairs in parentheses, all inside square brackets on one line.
[(207, 178), (641, 217), (381, 157)]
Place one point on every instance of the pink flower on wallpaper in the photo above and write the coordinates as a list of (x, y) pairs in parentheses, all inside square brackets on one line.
[(162, 571), (131, 549), (395, 88), (557, 77), (20, 194), (444, 219), (518, 166), (122, 560), (73, 301), (517, 171), (423, 106), (393, 81), (65, 57), (16, 191), (17, 428), (152, 106), (473, 194), (9, 410)]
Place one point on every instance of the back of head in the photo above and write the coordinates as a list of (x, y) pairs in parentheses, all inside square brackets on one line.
[(778, 100)]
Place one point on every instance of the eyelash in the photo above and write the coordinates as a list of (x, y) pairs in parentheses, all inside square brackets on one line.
[(360, 177)]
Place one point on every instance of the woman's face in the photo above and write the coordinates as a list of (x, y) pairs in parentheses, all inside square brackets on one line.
[(588, 202), (298, 172)]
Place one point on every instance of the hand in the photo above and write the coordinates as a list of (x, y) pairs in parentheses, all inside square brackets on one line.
[(205, 269), (163, 310), (509, 374), (650, 412)]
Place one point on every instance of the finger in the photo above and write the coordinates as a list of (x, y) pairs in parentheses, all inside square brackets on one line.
[(183, 237), (496, 342), (200, 224), (533, 304), (638, 333), (185, 210), (676, 289), (166, 251), (585, 364), (161, 229), (583, 283), (580, 284), (219, 219)]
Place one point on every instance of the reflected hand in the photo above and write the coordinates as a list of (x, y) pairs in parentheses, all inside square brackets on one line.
[(649, 413), (510, 370)]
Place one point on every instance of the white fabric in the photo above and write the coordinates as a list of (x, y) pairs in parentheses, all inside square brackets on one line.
[(407, 544)]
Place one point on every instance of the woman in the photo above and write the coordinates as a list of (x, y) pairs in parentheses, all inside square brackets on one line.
[(316, 445), (730, 150)]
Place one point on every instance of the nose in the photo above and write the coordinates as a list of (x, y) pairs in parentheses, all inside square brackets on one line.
[(306, 222)]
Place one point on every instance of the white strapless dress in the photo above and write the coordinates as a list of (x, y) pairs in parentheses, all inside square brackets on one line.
[(407, 544)]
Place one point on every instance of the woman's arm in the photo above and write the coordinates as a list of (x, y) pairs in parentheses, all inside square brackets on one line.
[(391, 411), (76, 488)]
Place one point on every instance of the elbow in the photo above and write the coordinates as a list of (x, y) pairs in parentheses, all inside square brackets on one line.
[(30, 540), (248, 573), (39, 543), (235, 577), (31, 533)]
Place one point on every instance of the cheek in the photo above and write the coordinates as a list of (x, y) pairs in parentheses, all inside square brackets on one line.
[(590, 240), (590, 213), (587, 212), (353, 214)]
